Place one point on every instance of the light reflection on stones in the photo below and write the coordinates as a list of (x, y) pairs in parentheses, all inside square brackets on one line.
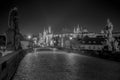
[(65, 66)]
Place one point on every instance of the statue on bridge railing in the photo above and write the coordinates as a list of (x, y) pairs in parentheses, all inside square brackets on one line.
[(110, 41), (13, 32)]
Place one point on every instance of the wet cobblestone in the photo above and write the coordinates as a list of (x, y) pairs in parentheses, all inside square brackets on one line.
[(65, 66)]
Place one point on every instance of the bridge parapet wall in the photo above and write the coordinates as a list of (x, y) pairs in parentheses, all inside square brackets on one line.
[(9, 64)]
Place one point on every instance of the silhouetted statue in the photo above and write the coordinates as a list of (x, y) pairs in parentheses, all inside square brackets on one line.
[(111, 42), (13, 33)]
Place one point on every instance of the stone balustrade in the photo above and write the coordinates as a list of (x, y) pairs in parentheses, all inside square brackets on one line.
[(9, 64)]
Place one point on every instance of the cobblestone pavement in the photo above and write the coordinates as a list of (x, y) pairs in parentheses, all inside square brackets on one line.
[(59, 65)]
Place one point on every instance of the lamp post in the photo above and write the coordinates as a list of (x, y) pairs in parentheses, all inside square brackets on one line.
[(29, 37)]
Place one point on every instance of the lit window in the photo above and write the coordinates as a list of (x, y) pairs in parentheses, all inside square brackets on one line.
[(83, 41), (89, 41), (94, 47), (94, 42)]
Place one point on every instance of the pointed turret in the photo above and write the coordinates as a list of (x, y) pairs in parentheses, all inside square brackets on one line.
[(49, 29), (74, 30), (78, 29)]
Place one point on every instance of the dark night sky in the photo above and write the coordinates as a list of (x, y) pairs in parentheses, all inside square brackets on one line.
[(37, 14)]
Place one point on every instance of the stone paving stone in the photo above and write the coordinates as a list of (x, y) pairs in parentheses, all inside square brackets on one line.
[(48, 65)]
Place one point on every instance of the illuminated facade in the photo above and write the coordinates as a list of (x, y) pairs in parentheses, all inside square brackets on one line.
[(45, 38), (89, 40)]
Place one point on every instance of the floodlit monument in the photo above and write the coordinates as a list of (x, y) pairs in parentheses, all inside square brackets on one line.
[(111, 42)]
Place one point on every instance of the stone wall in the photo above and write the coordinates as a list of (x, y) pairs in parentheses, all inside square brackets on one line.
[(9, 64)]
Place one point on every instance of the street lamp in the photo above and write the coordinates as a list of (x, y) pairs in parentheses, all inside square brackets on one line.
[(70, 38), (29, 36)]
